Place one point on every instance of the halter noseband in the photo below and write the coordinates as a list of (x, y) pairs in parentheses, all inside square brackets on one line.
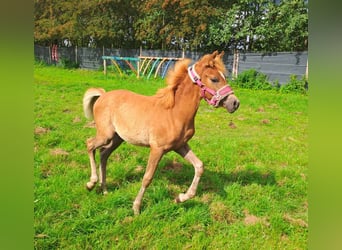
[(217, 96)]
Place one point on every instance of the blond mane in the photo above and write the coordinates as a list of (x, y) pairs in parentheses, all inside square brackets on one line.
[(174, 77)]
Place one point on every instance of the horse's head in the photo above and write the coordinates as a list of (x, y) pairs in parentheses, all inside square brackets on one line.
[(208, 74)]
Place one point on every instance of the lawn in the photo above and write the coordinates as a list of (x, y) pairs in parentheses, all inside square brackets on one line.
[(253, 193)]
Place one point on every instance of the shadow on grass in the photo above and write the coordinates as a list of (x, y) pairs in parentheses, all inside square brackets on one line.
[(215, 182), (181, 175)]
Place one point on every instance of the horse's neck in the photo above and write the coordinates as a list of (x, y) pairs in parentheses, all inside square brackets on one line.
[(187, 100)]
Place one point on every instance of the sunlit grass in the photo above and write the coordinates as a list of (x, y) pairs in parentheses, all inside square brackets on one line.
[(253, 194)]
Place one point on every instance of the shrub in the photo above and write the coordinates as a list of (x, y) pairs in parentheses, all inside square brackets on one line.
[(253, 79), (67, 64), (39, 62), (295, 85)]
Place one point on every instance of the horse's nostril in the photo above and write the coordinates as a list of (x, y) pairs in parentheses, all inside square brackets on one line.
[(236, 103)]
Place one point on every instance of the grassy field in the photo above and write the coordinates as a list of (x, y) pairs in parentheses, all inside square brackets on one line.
[(253, 193)]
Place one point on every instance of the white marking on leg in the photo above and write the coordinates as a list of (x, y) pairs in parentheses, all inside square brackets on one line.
[(187, 153), (137, 201), (93, 177)]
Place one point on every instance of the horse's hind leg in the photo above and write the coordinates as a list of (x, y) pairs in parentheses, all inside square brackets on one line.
[(187, 153), (105, 152), (91, 152), (92, 145)]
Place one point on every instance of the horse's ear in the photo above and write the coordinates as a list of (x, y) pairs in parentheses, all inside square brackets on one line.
[(211, 60), (214, 54), (221, 54), (208, 60)]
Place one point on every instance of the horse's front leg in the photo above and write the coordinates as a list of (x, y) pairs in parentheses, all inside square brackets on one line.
[(153, 160), (187, 154)]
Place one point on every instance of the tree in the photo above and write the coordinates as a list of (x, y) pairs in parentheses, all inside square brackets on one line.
[(262, 25), (296, 28), (103, 22), (257, 25), (174, 23), (149, 23)]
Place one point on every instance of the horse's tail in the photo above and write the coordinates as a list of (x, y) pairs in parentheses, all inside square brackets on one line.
[(89, 99)]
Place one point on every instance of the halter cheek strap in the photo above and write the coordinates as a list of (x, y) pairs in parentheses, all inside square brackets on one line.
[(217, 96)]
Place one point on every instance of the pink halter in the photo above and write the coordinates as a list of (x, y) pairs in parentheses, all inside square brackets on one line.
[(217, 96)]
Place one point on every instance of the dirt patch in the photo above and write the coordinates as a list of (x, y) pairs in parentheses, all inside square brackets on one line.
[(76, 119), (232, 125), (261, 110), (207, 198), (127, 220), (139, 169), (241, 118), (265, 121), (173, 166), (295, 222), (41, 236), (251, 219), (220, 212), (41, 130), (58, 151)]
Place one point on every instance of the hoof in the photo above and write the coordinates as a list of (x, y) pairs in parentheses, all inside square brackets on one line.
[(105, 192), (136, 209), (90, 185), (181, 198), (177, 200)]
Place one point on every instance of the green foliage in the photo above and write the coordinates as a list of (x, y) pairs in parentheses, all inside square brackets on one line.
[(253, 193), (85, 23), (173, 24), (196, 25), (253, 79), (67, 64), (262, 25), (40, 63), (295, 85)]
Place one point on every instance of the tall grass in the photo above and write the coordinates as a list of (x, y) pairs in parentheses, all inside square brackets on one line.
[(253, 194)]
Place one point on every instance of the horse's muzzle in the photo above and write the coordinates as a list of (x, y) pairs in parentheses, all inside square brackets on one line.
[(231, 103)]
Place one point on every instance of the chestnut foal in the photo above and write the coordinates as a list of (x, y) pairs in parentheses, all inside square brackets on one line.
[(162, 122)]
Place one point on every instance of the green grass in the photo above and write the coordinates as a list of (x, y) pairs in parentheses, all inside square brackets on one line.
[(253, 193)]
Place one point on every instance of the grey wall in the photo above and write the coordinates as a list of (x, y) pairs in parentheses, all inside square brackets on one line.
[(277, 66)]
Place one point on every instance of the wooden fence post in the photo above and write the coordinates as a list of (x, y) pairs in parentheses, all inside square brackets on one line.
[(104, 67), (307, 70), (76, 54), (235, 64), (138, 68), (49, 60)]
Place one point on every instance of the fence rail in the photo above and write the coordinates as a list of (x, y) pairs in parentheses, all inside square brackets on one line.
[(278, 66)]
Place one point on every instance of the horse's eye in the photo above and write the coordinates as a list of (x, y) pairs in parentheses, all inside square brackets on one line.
[(214, 80)]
